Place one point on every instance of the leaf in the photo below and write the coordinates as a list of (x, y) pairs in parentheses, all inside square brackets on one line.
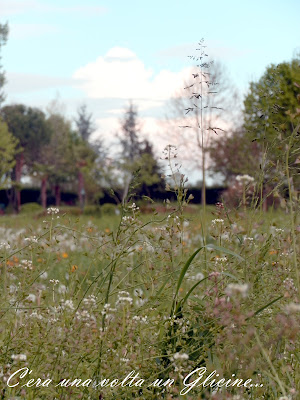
[(224, 250), (182, 274)]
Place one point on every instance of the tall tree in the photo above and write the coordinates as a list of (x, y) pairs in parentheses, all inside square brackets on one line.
[(84, 123), (85, 127), (131, 146), (59, 156), (29, 126), (3, 39)]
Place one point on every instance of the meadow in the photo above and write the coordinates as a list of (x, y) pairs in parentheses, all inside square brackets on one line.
[(88, 299)]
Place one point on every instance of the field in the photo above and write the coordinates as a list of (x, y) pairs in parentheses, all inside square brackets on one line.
[(93, 298)]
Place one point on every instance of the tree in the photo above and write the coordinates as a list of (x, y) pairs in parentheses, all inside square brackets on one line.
[(84, 123), (272, 114), (137, 158), (29, 126), (150, 172), (227, 155), (3, 39), (58, 161), (85, 128), (272, 101), (131, 147), (8, 150)]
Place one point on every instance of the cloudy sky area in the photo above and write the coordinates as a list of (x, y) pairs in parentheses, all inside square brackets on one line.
[(104, 53)]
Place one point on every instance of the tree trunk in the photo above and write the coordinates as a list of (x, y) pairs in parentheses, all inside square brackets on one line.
[(57, 195), (81, 191), (44, 192), (18, 175)]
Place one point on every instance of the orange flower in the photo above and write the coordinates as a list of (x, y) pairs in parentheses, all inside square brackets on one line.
[(65, 255), (9, 263), (73, 268), (107, 230), (271, 252), (15, 259)]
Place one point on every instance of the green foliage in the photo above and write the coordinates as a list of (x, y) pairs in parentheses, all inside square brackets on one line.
[(92, 210), (272, 102), (29, 126), (3, 39), (28, 208), (109, 209), (8, 151)]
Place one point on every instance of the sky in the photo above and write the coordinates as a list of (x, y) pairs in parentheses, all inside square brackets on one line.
[(105, 53)]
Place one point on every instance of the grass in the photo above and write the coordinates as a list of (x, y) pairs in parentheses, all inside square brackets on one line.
[(98, 297)]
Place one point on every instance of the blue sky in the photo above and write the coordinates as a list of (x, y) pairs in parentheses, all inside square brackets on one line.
[(104, 53)]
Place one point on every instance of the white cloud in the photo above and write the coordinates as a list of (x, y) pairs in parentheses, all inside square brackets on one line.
[(25, 31), (11, 7), (18, 83), (121, 74)]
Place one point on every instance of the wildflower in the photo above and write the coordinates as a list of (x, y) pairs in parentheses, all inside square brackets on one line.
[(68, 304), (198, 277), (248, 239), (19, 357), (236, 288), (292, 307), (31, 297), (36, 315), (124, 300), (44, 275), (73, 268), (54, 281), (245, 179), (26, 264), (220, 260), (178, 356), (32, 239), (52, 210), (65, 255), (217, 221), (62, 289), (4, 245), (289, 285)]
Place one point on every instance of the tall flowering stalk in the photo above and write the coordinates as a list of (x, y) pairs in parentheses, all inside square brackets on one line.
[(201, 90)]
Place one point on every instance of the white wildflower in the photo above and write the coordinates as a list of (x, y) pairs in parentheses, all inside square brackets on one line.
[(52, 210), (236, 288), (31, 297), (4, 245), (19, 357), (54, 281), (245, 179), (180, 356), (217, 221), (31, 239), (292, 307)]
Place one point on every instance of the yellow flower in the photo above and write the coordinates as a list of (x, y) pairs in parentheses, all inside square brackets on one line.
[(107, 230), (271, 252), (65, 255)]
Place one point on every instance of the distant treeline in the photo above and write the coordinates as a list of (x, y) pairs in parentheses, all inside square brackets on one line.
[(33, 195)]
